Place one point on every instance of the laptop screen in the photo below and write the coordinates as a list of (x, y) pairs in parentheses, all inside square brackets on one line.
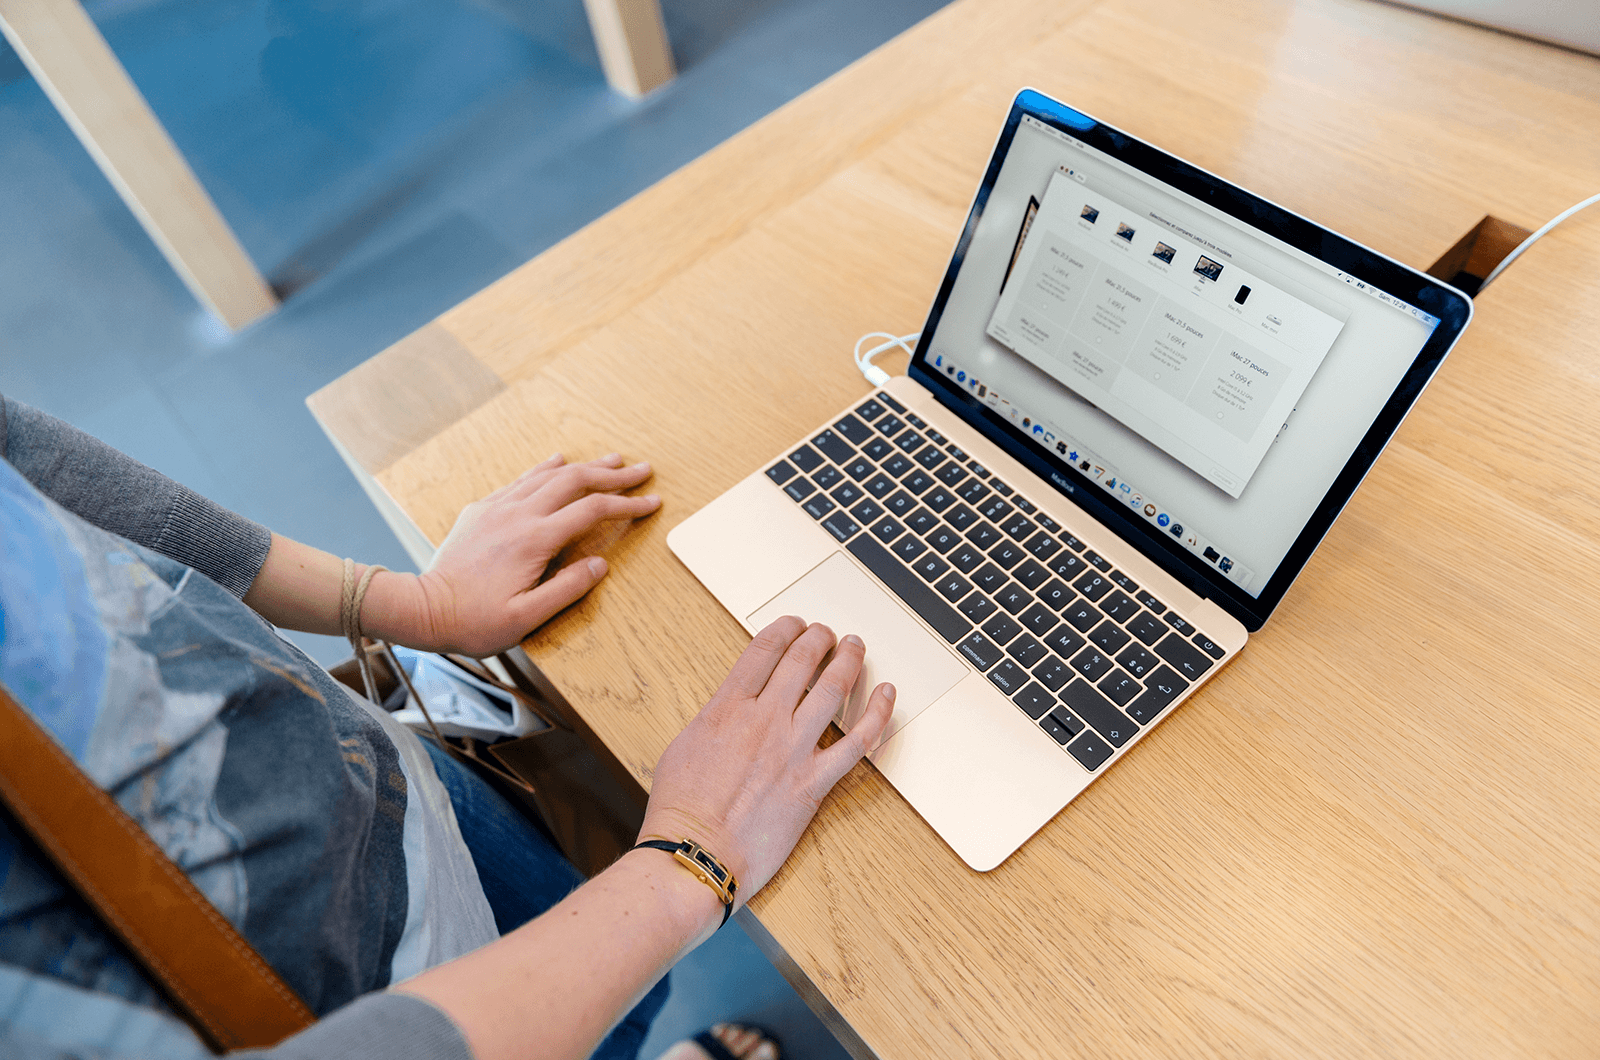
[(1204, 371)]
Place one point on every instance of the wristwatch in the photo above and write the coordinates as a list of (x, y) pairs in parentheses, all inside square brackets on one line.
[(705, 866)]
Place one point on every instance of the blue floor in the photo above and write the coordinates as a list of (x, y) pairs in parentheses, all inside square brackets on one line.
[(380, 160)]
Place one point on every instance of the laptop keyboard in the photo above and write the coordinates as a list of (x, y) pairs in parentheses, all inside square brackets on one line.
[(1074, 642)]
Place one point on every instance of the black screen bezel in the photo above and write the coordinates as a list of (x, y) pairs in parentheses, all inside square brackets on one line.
[(1453, 309)]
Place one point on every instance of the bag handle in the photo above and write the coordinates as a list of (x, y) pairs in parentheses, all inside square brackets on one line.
[(212, 975)]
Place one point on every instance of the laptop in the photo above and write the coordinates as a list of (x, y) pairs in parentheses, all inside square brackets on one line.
[(1141, 397)]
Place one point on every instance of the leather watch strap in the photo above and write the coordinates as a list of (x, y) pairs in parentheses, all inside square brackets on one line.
[(210, 972), (706, 867)]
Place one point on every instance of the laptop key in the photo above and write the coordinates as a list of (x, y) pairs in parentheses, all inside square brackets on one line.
[(908, 548), (945, 620), (1091, 664), (1097, 561), (1183, 657), (886, 529), (956, 451), (1027, 650), (1064, 641), (1159, 691), (994, 509), (805, 458), (990, 578), (1048, 523), (977, 469), (901, 504), (1062, 724), (880, 485), (840, 525), (834, 447), (826, 476), (983, 535), (891, 402), (1127, 584), (1146, 627), (1108, 637), (942, 539), (909, 442), (1067, 566), (1138, 661), (965, 559), (800, 489), (898, 465), (1001, 629), (916, 421), (1179, 624), (781, 472), (931, 457), (1208, 646), (952, 473), (1025, 505), (1087, 703), (1072, 542), (1008, 677), (1031, 574), (1119, 605), (1092, 585), (891, 425), (854, 431), (819, 506), (1006, 554), (1056, 594), (939, 499), (930, 566), (976, 607), (1082, 615), (1042, 545), (1039, 619), (1034, 700), (1000, 487), (1151, 602), (936, 436), (973, 491), (859, 468), (961, 517), (878, 448), (1090, 751), (1019, 526), (917, 482), (848, 493), (1052, 673), (867, 512), (922, 520), (869, 410), (953, 586), (1119, 687), (1013, 597)]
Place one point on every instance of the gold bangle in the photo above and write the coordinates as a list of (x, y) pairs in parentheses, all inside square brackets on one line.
[(706, 867)]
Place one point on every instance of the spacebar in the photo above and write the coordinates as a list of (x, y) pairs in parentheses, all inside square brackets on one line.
[(908, 587)]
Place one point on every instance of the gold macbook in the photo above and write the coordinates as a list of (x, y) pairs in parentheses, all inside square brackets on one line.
[(1140, 399)]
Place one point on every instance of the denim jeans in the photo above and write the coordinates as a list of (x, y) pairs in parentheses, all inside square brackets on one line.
[(523, 875)]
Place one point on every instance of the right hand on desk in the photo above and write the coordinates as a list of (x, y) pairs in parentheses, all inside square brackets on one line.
[(746, 776)]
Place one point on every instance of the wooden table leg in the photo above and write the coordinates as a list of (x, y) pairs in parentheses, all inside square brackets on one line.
[(81, 75), (633, 44)]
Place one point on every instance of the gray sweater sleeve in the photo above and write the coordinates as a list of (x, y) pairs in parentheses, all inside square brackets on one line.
[(115, 492), (381, 1026)]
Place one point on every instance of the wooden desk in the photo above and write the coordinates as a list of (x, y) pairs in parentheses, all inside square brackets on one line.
[(1376, 833)]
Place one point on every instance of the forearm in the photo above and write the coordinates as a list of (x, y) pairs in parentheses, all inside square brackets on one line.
[(299, 588), (555, 986)]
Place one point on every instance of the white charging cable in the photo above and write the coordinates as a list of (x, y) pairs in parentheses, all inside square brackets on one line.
[(875, 375), (1526, 243)]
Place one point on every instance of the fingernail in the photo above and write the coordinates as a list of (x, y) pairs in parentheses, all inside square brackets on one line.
[(652, 498), (556, 457), (597, 566), (853, 640), (642, 465), (889, 692), (612, 456)]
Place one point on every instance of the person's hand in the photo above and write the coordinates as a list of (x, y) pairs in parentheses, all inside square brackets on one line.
[(483, 592), (745, 777)]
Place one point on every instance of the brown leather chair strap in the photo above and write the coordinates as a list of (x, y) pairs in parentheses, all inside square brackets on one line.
[(214, 976)]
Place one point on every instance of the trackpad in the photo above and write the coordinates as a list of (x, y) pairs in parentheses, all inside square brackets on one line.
[(839, 595)]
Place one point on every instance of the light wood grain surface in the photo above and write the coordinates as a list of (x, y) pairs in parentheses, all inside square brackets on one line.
[(1377, 833)]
